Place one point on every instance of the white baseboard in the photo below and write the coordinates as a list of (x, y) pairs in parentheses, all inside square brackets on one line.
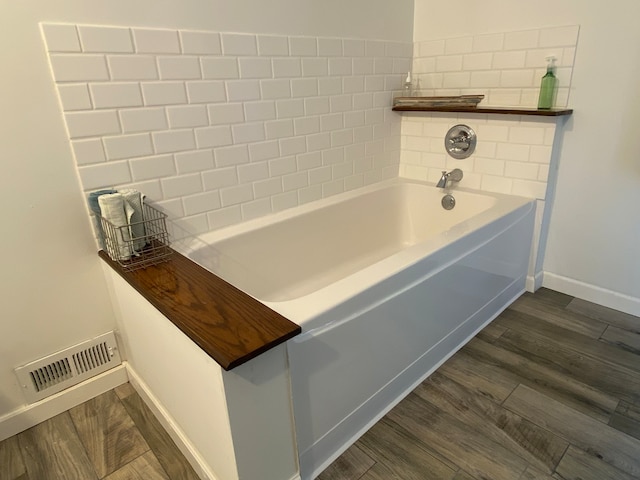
[(29, 416), (592, 293), (173, 429), (533, 283)]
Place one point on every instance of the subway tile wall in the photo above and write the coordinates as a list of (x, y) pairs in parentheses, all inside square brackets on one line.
[(505, 67), (216, 127)]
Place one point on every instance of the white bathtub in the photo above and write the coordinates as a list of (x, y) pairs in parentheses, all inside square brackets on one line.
[(386, 285)]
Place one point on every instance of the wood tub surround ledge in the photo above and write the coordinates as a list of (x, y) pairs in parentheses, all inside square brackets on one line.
[(229, 325)]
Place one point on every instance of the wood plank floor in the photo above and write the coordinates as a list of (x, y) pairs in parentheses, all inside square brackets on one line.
[(549, 391)]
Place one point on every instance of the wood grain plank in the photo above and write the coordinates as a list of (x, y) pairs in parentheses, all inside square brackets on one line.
[(531, 473), (52, 450), (229, 325), (163, 447), (11, 464), (402, 457), (538, 446), (462, 475), (124, 390), (145, 467), (547, 380), (605, 314), (579, 465), (492, 332), (582, 431), (549, 297), (452, 439), (351, 465), (557, 316), (108, 433), (626, 419), (621, 338)]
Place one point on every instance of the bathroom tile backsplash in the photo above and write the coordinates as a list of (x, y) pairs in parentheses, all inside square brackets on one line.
[(219, 127)]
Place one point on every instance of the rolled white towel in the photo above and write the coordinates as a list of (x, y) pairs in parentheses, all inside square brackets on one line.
[(118, 212), (137, 231)]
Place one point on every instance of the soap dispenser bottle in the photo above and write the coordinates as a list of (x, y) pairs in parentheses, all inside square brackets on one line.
[(548, 85), (407, 87)]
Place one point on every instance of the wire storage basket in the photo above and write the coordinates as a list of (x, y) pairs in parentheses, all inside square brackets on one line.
[(138, 244)]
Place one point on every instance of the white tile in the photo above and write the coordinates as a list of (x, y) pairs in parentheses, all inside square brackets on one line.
[(303, 46), (315, 67), (492, 42), (477, 61), (340, 66), (111, 95), (242, 90), (89, 151), (105, 39), (318, 141), (150, 188), (284, 201), (74, 97), (274, 89), (543, 173), (196, 161), (287, 67), (279, 128), (253, 67), (353, 182), (399, 49), (401, 65), (449, 63), (342, 170), (333, 156), (458, 45), (340, 103), (173, 141), (489, 132), (508, 151), (431, 48), (306, 125), (282, 166), (521, 40), (238, 44), (375, 48), (352, 152), (104, 175), (220, 68), (179, 68), (362, 101), (152, 167), (185, 116), (294, 181), (518, 78), (213, 136), (382, 65), (263, 151), (172, 207), (456, 80), (132, 67), (307, 161), (292, 146), (78, 68), (341, 137), (304, 87), (353, 48), (362, 164), (253, 172), (559, 36), (484, 79), (329, 47), (61, 38), (330, 86), (316, 105), (264, 110), (255, 208), (128, 146), (288, 108), (235, 195), (363, 66), (353, 84), (182, 185), (201, 202), (434, 80), (504, 96), (540, 154), (521, 170), (143, 119), (363, 134), (219, 178), (224, 217), (527, 188), (163, 93), (273, 45), (206, 91), (234, 155), (248, 132), (334, 121), (332, 188), (512, 59), (225, 113), (528, 135), (148, 40), (91, 124), (200, 43), (422, 65), (536, 57), (497, 184)]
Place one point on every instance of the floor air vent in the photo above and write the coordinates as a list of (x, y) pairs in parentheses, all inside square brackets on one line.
[(61, 370)]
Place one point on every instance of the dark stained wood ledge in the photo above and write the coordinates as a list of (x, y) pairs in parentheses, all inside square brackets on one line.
[(229, 325), (553, 112)]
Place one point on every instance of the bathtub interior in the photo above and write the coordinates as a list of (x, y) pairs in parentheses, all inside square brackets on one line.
[(301, 254)]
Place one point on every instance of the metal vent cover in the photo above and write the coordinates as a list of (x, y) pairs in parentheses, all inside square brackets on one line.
[(53, 373)]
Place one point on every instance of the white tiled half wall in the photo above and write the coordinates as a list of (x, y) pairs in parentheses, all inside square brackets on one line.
[(505, 67), (217, 128)]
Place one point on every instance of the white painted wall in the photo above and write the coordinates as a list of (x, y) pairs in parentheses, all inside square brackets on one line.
[(593, 248), (53, 292)]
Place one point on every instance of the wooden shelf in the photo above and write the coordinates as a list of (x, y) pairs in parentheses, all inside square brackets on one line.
[(229, 325), (554, 112)]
